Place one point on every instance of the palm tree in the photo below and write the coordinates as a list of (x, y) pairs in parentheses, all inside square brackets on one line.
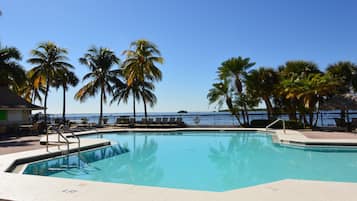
[(138, 91), (298, 69), (234, 70), (48, 59), (261, 83), (141, 61), (140, 66), (147, 95), (346, 72), (122, 94), (33, 87), (12, 74), (221, 93), (65, 79), (312, 91), (102, 78), (288, 89)]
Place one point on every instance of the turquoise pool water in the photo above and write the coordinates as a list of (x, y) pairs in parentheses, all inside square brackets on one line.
[(211, 161)]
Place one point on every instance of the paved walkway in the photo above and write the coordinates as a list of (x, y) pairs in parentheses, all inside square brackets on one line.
[(10, 144), (329, 135)]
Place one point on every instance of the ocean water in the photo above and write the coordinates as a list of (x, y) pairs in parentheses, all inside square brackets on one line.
[(209, 161)]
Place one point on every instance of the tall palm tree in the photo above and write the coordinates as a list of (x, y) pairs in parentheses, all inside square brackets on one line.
[(48, 59), (234, 70), (102, 78), (262, 83), (141, 60), (140, 66), (65, 78), (12, 74)]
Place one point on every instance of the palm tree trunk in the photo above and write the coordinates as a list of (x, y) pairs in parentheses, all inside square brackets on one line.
[(244, 119), (145, 110), (230, 107), (246, 114), (311, 118), (64, 106), (33, 96), (292, 110), (45, 104), (101, 107), (134, 108), (44, 111), (317, 113), (269, 107)]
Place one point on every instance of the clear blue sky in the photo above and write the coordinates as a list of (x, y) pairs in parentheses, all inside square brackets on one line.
[(194, 37)]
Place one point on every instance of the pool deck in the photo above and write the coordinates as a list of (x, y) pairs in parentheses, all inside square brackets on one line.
[(316, 138), (12, 144), (35, 188)]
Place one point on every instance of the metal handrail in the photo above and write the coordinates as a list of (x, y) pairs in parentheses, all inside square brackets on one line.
[(276, 121), (59, 135), (73, 135)]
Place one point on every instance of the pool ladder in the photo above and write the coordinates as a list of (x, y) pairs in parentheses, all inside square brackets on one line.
[(274, 122), (61, 134)]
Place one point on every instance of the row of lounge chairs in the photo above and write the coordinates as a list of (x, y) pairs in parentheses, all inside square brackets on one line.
[(150, 122)]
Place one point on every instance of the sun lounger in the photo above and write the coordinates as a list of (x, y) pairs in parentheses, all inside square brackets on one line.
[(122, 122), (29, 128), (179, 122), (151, 123), (158, 120), (165, 122), (142, 123)]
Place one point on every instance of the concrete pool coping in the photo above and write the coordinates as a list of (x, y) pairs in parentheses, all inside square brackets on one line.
[(30, 187)]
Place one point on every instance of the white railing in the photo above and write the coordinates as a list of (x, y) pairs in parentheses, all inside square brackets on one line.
[(59, 136), (63, 128), (274, 122)]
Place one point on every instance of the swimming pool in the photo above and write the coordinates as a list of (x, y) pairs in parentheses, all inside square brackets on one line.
[(199, 160)]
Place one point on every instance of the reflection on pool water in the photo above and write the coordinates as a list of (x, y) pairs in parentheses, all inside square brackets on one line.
[(199, 160)]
